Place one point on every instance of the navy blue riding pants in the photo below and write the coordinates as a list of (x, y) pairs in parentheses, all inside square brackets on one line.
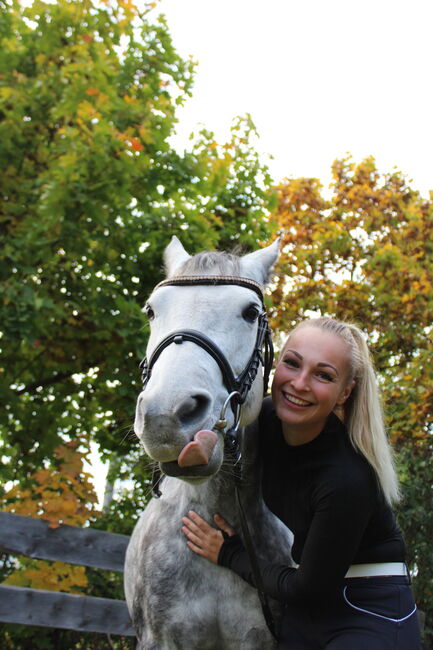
[(377, 613)]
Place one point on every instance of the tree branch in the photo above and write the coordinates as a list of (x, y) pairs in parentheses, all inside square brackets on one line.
[(61, 376)]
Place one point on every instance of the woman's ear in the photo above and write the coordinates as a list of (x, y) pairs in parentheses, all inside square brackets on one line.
[(345, 393)]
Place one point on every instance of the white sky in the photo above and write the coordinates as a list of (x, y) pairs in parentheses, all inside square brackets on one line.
[(320, 78)]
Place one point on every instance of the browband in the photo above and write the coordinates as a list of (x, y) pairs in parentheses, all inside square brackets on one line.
[(187, 280)]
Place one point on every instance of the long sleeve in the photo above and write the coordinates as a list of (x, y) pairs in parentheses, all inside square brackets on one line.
[(328, 495), (333, 538), (234, 556)]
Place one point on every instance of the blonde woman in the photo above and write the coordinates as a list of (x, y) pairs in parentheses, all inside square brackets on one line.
[(328, 475)]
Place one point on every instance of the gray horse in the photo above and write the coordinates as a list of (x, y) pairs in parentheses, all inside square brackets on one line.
[(178, 600)]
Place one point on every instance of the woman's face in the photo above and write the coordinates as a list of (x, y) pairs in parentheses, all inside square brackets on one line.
[(311, 379)]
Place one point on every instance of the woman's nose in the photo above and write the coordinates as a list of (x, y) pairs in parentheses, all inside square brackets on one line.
[(300, 381)]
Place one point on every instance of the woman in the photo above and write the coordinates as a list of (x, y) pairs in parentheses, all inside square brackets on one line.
[(333, 485)]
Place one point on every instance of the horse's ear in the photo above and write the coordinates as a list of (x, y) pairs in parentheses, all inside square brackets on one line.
[(174, 256), (258, 265)]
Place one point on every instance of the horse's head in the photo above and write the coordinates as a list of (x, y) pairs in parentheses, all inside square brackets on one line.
[(187, 383)]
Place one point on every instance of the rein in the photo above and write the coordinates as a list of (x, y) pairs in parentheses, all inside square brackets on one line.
[(237, 387)]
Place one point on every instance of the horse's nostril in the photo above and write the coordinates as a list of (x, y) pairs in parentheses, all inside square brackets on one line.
[(193, 408)]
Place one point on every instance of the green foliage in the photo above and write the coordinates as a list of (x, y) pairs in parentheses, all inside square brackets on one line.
[(19, 637), (91, 193), (416, 518), (365, 254)]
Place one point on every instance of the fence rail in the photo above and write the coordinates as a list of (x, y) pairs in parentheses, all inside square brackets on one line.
[(83, 546)]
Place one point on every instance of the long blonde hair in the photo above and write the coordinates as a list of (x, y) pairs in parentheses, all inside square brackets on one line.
[(362, 411)]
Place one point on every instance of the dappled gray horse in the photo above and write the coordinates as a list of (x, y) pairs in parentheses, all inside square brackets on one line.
[(177, 599)]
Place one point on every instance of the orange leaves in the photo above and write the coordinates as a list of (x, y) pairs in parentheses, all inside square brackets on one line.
[(136, 144), (131, 141), (130, 100), (365, 255), (86, 112), (54, 576), (61, 495), (128, 6)]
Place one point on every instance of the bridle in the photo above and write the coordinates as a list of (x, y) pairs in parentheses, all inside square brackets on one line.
[(237, 387)]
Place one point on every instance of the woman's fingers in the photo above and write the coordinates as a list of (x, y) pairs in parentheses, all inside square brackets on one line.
[(221, 523), (203, 539), (191, 536), (198, 522), (196, 526), (195, 548), (200, 533)]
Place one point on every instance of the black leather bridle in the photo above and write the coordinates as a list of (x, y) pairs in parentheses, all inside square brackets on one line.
[(237, 387), (262, 352)]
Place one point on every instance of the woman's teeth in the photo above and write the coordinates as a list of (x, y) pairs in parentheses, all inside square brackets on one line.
[(296, 400)]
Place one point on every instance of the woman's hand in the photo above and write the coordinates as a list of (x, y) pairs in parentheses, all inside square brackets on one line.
[(203, 539)]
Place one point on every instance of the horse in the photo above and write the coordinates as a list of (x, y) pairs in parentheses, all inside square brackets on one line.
[(206, 328)]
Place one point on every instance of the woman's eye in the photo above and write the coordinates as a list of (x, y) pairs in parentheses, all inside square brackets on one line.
[(325, 376), (292, 363), (251, 313), (149, 311)]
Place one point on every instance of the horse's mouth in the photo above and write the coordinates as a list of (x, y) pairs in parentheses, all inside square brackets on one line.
[(192, 472), (198, 460), (198, 471)]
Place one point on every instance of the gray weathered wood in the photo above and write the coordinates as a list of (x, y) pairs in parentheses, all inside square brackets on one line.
[(83, 546), (67, 611)]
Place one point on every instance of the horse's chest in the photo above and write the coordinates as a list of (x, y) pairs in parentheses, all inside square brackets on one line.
[(178, 595)]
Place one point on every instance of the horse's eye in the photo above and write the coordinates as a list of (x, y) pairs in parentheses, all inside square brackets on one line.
[(149, 311), (251, 313)]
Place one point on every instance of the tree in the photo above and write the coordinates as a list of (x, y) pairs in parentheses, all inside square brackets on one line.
[(366, 255), (91, 193), (62, 494)]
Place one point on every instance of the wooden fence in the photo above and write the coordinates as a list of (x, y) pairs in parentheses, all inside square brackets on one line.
[(84, 546)]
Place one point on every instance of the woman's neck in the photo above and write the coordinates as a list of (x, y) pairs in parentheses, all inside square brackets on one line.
[(295, 436)]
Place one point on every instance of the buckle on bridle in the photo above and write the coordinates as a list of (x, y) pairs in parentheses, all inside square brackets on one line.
[(221, 424), (232, 447)]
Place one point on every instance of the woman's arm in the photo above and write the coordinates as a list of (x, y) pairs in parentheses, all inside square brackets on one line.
[(341, 513)]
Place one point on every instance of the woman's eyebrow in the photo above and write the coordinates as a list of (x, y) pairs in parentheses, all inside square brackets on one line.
[(295, 353), (328, 365), (321, 364)]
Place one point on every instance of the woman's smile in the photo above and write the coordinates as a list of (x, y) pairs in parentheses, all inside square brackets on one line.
[(296, 401)]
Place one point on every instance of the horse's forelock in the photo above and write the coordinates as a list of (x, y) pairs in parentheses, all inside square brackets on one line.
[(211, 263)]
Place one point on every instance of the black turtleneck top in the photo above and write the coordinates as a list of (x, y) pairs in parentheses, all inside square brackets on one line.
[(328, 495)]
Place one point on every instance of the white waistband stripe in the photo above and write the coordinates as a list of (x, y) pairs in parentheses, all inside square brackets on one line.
[(377, 569)]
